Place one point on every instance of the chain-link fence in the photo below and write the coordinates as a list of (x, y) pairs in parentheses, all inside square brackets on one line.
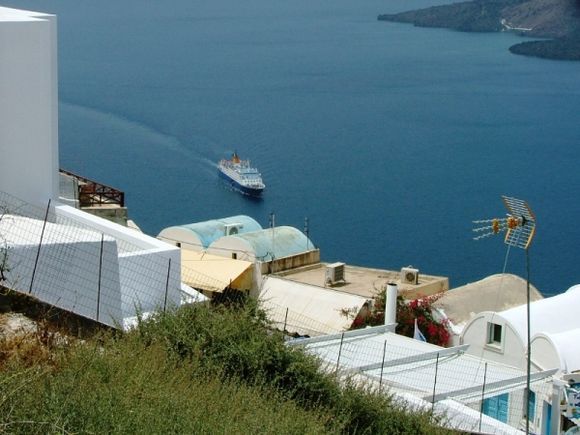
[(63, 261), (95, 270), (433, 376), (294, 323)]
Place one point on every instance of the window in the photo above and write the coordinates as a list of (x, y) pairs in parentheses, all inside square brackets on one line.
[(497, 407), (531, 411), (234, 255), (494, 334)]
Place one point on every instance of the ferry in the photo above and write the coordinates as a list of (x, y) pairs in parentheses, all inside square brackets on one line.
[(241, 175)]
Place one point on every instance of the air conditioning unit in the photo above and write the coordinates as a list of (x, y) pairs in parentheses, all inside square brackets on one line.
[(334, 273), (232, 229), (409, 275)]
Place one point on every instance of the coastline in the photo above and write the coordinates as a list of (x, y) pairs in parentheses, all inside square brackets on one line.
[(505, 15)]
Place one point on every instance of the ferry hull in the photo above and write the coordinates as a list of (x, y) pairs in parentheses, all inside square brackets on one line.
[(237, 186)]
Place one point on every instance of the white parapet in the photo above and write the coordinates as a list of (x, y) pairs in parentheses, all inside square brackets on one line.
[(73, 269), (149, 269), (84, 264), (28, 105)]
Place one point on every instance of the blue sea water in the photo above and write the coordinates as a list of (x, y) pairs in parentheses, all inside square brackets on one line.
[(391, 139)]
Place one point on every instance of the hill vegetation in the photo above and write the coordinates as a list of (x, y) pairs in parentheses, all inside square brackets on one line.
[(558, 20), (201, 370)]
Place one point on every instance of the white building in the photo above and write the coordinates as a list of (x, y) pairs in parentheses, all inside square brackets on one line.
[(54, 252), (502, 336), (263, 245), (448, 381), (271, 250), (199, 235), (555, 342), (493, 293), (28, 105)]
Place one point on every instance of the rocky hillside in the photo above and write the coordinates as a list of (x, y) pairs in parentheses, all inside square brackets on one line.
[(545, 18), (471, 16), (558, 19)]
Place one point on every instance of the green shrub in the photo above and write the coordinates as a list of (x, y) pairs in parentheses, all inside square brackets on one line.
[(202, 369), (127, 388)]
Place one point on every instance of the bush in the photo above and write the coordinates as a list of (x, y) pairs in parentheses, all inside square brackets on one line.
[(435, 331), (236, 343), (126, 389), (201, 369)]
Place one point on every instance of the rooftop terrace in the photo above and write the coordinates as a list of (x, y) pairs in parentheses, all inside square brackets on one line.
[(368, 282)]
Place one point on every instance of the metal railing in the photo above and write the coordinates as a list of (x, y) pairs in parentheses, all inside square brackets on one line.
[(91, 193)]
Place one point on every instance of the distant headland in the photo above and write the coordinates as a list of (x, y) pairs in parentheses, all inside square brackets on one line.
[(558, 20)]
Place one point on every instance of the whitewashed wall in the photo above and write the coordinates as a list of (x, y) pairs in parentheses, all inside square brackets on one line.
[(143, 263), (512, 351), (149, 282), (28, 105), (64, 270), (186, 238), (226, 246)]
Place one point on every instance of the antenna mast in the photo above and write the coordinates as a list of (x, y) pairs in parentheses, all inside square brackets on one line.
[(520, 228), (306, 229)]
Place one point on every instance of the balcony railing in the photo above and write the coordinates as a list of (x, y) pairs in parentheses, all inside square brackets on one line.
[(91, 193)]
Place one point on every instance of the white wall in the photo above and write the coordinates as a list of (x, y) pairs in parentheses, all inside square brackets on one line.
[(226, 246), (512, 351), (544, 354), (186, 238), (137, 239), (143, 263), (28, 106), (146, 280), (67, 271), (69, 259)]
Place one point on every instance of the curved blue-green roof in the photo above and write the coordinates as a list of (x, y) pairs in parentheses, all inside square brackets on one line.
[(209, 231), (278, 242)]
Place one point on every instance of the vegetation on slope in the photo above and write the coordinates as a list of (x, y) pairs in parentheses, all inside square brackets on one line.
[(201, 369)]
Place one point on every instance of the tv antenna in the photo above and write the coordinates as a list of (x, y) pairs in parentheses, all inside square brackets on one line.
[(520, 228)]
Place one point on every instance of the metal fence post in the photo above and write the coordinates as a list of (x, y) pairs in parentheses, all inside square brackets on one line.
[(339, 351), (482, 396), (435, 383), (382, 366), (285, 319), (100, 275), (167, 286), (39, 246)]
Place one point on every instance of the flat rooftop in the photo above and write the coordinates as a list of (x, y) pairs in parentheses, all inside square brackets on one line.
[(367, 282)]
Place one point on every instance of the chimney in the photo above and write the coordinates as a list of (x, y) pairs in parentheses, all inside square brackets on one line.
[(391, 303)]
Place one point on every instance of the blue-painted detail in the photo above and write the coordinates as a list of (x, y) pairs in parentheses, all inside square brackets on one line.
[(209, 231), (547, 418), (497, 407), (278, 242), (532, 406)]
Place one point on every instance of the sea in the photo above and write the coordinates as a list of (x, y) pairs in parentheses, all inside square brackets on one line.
[(383, 141)]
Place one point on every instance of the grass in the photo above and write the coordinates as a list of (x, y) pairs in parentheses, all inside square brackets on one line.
[(200, 370)]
